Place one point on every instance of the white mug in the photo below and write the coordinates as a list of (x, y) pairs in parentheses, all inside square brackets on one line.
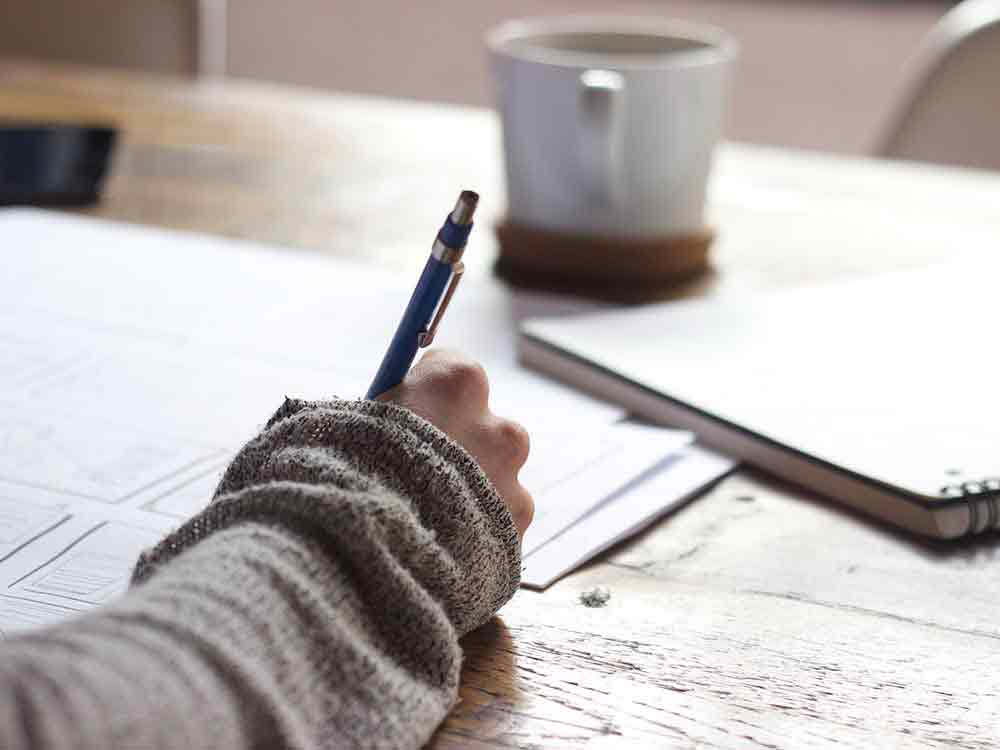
[(609, 123)]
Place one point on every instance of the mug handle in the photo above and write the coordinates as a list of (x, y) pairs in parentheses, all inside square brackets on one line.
[(601, 136)]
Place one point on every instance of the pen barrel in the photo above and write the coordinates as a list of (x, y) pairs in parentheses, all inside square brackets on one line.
[(416, 319)]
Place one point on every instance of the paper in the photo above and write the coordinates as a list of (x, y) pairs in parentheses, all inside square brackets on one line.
[(90, 458), (61, 555), (676, 480), (187, 497), (134, 363), (91, 570), (575, 473), (21, 523)]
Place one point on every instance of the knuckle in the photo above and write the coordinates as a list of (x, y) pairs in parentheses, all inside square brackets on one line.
[(523, 510), (463, 379), (514, 440)]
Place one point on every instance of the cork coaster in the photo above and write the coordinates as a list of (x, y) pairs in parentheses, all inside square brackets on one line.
[(624, 269)]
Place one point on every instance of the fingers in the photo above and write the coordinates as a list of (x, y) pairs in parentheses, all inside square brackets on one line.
[(442, 387), (452, 392), (521, 505), (453, 378), (507, 441), (502, 447)]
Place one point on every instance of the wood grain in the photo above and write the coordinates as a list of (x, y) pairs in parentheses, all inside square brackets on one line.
[(759, 616)]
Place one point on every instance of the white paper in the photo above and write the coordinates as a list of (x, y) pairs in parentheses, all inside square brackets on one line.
[(91, 458), (91, 570), (134, 363), (677, 480), (21, 523), (577, 472), (61, 555), (184, 498)]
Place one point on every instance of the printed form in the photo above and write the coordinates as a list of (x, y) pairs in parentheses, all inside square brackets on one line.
[(134, 363)]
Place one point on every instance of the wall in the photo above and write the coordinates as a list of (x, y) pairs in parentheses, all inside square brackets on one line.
[(821, 74)]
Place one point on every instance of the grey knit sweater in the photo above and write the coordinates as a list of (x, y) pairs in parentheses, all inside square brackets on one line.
[(316, 603)]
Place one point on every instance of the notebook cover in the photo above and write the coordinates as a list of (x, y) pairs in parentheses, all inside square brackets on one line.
[(893, 378)]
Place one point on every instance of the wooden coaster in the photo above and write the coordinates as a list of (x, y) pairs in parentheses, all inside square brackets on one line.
[(628, 269)]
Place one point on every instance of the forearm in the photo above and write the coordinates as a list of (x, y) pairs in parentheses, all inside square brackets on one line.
[(181, 663), (316, 603)]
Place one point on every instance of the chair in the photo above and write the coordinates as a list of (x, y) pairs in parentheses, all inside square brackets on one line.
[(167, 36), (950, 113)]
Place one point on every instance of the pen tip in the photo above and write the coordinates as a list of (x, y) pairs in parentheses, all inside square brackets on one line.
[(465, 207)]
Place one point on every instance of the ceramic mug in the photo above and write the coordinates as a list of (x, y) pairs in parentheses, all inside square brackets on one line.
[(609, 123)]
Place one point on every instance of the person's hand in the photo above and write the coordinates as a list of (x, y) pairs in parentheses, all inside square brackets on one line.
[(451, 392)]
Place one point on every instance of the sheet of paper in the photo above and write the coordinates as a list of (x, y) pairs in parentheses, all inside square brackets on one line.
[(91, 570), (576, 472), (61, 555), (189, 495), (21, 523), (139, 312), (135, 362), (675, 480)]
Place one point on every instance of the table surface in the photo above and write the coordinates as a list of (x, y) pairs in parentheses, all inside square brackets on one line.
[(758, 616)]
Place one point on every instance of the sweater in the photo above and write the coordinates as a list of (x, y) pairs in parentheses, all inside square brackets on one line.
[(317, 602)]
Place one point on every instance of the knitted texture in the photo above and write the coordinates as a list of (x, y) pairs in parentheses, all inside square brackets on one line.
[(317, 602)]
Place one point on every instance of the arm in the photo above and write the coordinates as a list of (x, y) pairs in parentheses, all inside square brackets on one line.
[(317, 602)]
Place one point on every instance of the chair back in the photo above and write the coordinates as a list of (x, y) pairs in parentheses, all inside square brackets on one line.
[(166, 36), (950, 112)]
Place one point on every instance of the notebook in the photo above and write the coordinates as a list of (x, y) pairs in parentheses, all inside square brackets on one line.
[(882, 393)]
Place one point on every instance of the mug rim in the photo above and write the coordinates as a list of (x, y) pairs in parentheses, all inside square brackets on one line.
[(719, 45)]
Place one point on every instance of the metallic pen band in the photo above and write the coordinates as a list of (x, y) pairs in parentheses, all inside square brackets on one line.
[(445, 254)]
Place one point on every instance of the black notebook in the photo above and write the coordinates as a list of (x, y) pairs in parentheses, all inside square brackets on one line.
[(883, 393)]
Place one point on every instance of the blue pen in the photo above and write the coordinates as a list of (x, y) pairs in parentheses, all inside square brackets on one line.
[(416, 329)]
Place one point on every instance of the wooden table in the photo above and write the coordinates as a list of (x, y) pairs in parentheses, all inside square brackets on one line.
[(759, 616)]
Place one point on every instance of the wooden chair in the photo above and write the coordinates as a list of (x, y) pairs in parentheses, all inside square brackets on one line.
[(950, 113), (168, 36)]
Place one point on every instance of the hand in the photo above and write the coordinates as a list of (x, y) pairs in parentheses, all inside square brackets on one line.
[(451, 392)]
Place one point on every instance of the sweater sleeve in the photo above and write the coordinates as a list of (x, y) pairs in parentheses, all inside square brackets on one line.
[(316, 603)]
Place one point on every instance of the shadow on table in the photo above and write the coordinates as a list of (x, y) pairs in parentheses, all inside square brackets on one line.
[(977, 548), (974, 550), (490, 694)]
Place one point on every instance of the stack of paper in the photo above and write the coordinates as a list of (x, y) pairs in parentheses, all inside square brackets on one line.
[(134, 363), (552, 550)]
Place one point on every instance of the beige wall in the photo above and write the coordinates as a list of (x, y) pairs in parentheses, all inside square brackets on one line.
[(816, 74), (820, 74)]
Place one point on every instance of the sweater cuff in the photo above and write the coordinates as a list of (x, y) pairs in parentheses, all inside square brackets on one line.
[(317, 465)]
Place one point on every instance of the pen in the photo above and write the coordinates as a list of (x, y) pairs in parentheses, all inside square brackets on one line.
[(416, 329)]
